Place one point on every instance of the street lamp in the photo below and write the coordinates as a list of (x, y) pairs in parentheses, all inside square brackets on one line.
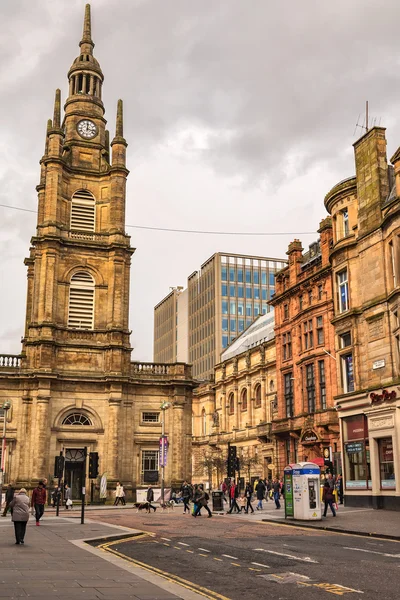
[(164, 406), (6, 406)]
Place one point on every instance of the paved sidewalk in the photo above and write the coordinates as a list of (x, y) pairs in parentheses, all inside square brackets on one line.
[(363, 521), (55, 563)]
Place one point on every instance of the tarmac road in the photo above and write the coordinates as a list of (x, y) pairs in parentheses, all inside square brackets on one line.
[(239, 559)]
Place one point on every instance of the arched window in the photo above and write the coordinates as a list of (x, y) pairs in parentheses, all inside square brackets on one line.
[(258, 395), (81, 301), (77, 419), (231, 403), (203, 422), (83, 211), (243, 398)]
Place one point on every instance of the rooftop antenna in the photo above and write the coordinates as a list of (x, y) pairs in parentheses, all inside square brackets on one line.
[(365, 123)]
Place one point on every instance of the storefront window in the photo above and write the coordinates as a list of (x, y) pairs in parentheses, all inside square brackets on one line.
[(386, 463), (356, 453)]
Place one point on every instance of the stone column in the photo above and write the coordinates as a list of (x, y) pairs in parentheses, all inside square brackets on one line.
[(250, 402), (114, 409), (23, 442), (237, 407), (41, 438), (264, 402), (223, 411), (177, 435)]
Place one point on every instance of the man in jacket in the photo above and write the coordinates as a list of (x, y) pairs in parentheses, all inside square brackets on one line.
[(260, 489), (276, 486), (248, 494), (234, 494), (150, 498), (39, 500), (9, 496), (328, 498), (186, 492)]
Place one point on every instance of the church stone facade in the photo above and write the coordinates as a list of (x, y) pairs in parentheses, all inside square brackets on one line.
[(74, 385)]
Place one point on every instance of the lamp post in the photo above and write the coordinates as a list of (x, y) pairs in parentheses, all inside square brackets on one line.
[(6, 406), (164, 406)]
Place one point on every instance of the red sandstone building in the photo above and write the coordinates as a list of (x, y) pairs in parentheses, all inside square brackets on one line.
[(306, 424)]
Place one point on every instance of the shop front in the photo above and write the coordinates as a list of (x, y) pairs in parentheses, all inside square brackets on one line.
[(370, 440)]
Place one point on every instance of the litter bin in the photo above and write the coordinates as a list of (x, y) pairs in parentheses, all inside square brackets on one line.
[(217, 501)]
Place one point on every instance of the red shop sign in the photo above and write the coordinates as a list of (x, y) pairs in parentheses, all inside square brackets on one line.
[(356, 428), (376, 398)]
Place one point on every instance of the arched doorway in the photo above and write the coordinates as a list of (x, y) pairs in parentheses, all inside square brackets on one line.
[(75, 465)]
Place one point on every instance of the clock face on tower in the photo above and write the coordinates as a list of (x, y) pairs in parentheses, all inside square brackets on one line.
[(86, 129)]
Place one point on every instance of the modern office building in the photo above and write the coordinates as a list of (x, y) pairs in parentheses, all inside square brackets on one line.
[(224, 298), (171, 327)]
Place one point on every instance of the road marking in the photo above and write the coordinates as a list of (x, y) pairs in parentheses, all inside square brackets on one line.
[(206, 555), (183, 544), (251, 569), (203, 549), (165, 544), (155, 542), (220, 559), (335, 588), (306, 559), (372, 552), (235, 564), (210, 594), (191, 551), (260, 565), (229, 556), (166, 539), (177, 548)]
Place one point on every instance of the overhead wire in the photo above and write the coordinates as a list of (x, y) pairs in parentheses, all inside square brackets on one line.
[(192, 231)]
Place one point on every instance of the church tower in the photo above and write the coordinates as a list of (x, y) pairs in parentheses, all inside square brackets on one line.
[(79, 263)]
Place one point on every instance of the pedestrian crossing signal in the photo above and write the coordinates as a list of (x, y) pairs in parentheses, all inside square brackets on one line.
[(93, 465)]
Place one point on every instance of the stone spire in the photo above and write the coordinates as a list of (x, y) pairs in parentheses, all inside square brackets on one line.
[(119, 143), (57, 110), (86, 44)]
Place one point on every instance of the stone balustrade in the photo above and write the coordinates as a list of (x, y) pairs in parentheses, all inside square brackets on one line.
[(10, 361), (145, 369)]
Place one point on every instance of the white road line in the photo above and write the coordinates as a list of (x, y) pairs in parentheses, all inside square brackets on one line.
[(228, 556), (204, 549), (260, 565), (166, 539), (372, 552), (306, 559), (183, 544)]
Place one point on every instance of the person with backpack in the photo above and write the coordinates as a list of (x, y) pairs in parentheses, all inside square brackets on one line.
[(186, 492), (202, 502)]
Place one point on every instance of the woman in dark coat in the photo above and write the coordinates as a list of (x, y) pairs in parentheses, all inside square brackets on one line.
[(328, 498), (20, 514), (260, 489)]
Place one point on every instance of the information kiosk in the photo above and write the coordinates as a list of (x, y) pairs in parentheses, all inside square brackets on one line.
[(302, 495)]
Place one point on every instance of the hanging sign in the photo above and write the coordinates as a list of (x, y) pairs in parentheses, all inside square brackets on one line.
[(309, 437), (163, 452)]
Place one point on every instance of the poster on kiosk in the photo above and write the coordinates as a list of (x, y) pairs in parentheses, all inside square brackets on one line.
[(302, 496)]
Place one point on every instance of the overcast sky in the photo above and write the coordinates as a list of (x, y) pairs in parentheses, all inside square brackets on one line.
[(239, 114)]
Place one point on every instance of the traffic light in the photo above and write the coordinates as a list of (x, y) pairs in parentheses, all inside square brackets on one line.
[(93, 465), (59, 466), (237, 464), (231, 461)]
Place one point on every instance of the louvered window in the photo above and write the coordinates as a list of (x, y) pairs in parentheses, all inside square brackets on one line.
[(81, 301), (83, 211)]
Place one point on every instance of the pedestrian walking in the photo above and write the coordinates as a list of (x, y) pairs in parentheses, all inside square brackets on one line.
[(248, 492), (150, 498), (186, 492), (276, 487), (68, 497), (234, 493), (119, 494), (339, 487), (20, 514), (10, 491), (260, 491), (328, 498), (38, 501), (202, 502)]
